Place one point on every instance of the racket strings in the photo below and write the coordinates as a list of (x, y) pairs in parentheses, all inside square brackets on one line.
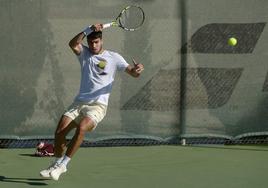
[(132, 18)]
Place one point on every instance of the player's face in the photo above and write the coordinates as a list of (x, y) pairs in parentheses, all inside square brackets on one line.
[(95, 45)]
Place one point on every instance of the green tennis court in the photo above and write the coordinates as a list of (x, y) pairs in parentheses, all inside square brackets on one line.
[(144, 167)]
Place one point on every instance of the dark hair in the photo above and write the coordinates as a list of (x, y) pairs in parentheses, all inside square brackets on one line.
[(95, 35)]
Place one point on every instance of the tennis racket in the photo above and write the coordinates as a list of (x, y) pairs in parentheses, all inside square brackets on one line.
[(130, 18)]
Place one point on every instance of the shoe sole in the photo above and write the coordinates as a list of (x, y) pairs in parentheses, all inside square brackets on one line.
[(43, 176)]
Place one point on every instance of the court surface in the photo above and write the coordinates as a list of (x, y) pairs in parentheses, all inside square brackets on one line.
[(143, 167)]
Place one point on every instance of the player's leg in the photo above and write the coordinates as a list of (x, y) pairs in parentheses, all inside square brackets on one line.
[(91, 114), (86, 125), (65, 125)]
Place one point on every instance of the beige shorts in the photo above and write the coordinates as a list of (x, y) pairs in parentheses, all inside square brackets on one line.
[(78, 110)]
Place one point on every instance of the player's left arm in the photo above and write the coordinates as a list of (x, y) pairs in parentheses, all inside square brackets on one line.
[(135, 70)]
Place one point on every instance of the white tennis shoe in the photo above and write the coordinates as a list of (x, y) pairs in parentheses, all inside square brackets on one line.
[(57, 171), (46, 173)]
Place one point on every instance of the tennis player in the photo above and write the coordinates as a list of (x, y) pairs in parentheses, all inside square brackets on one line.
[(98, 68)]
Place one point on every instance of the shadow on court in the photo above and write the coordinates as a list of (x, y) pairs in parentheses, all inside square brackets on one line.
[(29, 181), (33, 155), (28, 155)]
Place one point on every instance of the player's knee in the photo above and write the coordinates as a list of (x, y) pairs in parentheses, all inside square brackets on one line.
[(85, 126), (62, 125), (81, 130), (59, 132)]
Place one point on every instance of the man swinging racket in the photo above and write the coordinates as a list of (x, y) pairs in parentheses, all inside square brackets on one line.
[(98, 68)]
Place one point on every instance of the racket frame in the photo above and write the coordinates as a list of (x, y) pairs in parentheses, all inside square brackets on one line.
[(117, 22)]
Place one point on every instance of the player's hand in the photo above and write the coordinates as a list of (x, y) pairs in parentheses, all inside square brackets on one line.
[(138, 68), (97, 27)]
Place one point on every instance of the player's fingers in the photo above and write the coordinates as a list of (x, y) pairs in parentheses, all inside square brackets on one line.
[(139, 66), (101, 25), (139, 70), (97, 27)]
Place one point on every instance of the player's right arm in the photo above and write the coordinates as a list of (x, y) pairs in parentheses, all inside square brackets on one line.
[(76, 43)]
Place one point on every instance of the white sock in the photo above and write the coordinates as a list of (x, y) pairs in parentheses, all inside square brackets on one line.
[(66, 160), (58, 160)]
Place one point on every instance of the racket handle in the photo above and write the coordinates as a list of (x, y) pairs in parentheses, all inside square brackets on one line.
[(134, 62), (107, 25)]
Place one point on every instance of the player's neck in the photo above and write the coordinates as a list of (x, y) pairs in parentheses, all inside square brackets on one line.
[(98, 53), (101, 51)]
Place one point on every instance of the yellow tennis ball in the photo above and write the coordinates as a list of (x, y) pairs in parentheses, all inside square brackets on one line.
[(102, 64), (232, 41)]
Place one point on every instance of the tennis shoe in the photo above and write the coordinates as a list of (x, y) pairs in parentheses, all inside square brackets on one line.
[(46, 173), (57, 171)]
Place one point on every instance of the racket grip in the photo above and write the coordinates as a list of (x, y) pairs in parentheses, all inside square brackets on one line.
[(107, 25)]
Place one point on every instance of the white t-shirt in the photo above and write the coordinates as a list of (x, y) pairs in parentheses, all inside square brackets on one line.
[(97, 75)]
